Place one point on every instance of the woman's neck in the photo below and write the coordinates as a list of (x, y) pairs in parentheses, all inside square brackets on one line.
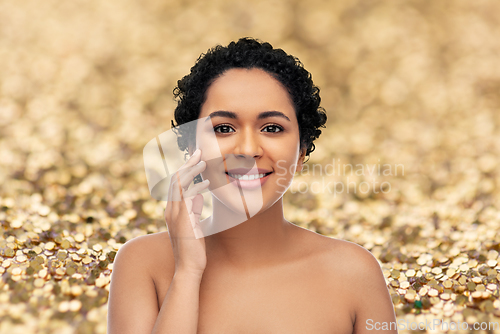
[(263, 240)]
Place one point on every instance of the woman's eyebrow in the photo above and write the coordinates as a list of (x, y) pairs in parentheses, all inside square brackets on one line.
[(273, 113), (262, 115), (222, 113)]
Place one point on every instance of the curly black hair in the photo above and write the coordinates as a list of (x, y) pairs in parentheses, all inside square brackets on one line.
[(248, 53)]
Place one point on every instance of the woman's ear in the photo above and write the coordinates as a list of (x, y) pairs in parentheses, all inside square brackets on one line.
[(300, 160), (191, 150)]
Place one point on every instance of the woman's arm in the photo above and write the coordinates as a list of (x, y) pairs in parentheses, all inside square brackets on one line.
[(133, 306), (132, 303), (374, 311), (180, 310)]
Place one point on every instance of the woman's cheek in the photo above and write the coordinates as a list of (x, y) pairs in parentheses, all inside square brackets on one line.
[(284, 175), (282, 184)]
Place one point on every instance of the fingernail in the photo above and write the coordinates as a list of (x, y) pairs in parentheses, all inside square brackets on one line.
[(196, 152)]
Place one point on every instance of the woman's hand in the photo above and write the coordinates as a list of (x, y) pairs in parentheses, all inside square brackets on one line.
[(182, 216)]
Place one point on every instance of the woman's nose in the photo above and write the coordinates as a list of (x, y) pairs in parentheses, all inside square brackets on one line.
[(248, 144)]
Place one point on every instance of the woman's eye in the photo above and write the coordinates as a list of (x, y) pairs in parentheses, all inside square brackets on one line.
[(223, 129), (273, 128)]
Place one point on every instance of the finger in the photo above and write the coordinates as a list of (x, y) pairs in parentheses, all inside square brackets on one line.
[(174, 195), (180, 181), (195, 212), (193, 160), (187, 175), (180, 227), (179, 187), (186, 213), (193, 207), (197, 204), (171, 211), (194, 190), (175, 192)]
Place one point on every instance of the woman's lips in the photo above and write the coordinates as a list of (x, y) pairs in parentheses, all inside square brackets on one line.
[(248, 184)]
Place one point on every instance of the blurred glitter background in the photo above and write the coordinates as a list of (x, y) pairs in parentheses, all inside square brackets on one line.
[(85, 84)]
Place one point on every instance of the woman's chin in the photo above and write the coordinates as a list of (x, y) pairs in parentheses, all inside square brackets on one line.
[(246, 206)]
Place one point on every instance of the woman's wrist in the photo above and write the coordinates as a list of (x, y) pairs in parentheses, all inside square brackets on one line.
[(188, 275)]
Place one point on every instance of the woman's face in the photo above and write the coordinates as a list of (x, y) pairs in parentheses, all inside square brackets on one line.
[(254, 123)]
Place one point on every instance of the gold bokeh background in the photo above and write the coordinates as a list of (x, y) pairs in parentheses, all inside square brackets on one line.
[(84, 85)]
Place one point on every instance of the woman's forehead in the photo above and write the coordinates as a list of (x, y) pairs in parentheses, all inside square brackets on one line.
[(246, 90)]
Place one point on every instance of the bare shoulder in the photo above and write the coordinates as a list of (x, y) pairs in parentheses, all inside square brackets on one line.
[(363, 287), (369, 298), (356, 259), (148, 242), (351, 257), (152, 252), (133, 298), (341, 262)]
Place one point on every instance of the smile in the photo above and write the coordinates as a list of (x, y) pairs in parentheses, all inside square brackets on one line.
[(248, 181), (248, 177)]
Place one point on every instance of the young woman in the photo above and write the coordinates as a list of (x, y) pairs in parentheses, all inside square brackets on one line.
[(265, 275)]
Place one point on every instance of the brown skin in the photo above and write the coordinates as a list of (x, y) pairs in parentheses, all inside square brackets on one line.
[(265, 275)]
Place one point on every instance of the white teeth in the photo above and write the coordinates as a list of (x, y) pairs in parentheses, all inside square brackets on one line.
[(247, 177)]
